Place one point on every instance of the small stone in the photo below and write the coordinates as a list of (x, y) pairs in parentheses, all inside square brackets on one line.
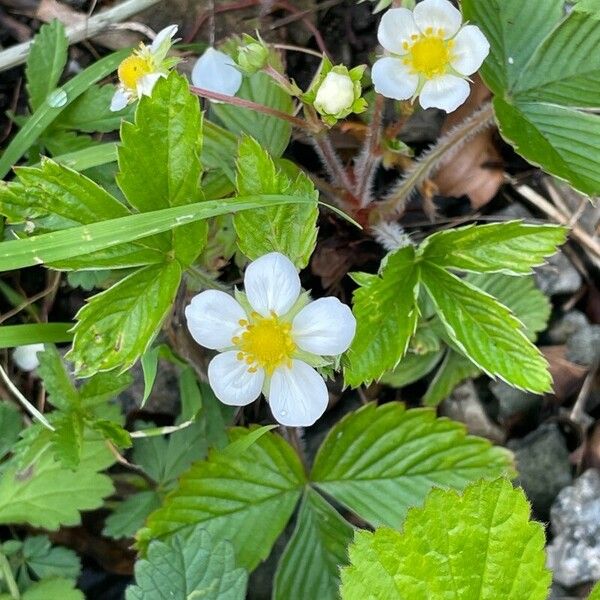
[(543, 465), (565, 327), (583, 347), (574, 554), (512, 400), (558, 276)]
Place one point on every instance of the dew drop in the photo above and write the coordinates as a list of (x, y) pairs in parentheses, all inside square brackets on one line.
[(511, 60), (57, 98)]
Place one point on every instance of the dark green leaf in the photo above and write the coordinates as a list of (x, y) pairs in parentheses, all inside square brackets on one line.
[(130, 515), (412, 368), (46, 560)]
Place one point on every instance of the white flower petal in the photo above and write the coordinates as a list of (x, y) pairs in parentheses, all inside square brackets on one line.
[(297, 395), (395, 28), (232, 382), (213, 319), (470, 50), (272, 283), (438, 14), (119, 101), (447, 92), (25, 357), (392, 78), (215, 71), (146, 84), (325, 327), (164, 35)]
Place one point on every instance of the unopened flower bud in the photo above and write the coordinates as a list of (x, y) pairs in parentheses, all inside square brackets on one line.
[(335, 94), (252, 56), (25, 357)]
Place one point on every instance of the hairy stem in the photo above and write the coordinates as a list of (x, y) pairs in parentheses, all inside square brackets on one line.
[(433, 159)]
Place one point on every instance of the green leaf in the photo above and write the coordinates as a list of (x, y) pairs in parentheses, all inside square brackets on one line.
[(454, 368), (34, 333), (47, 495), (117, 326), (130, 515), (229, 494), (159, 159), (380, 461), (521, 295), (61, 391), (486, 331), (86, 158), (53, 588), (67, 439), (91, 112), (75, 241), (291, 229), (479, 545), (46, 560), (45, 114), (189, 566), (511, 247), (149, 367), (595, 593), (412, 368), (546, 76), (46, 62), (310, 564), (385, 307), (271, 132), (10, 426)]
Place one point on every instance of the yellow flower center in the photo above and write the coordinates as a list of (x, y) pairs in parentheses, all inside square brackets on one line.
[(429, 54), (266, 342), (133, 68)]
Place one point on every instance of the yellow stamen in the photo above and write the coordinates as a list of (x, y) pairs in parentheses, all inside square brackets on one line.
[(429, 54), (266, 343), (133, 68)]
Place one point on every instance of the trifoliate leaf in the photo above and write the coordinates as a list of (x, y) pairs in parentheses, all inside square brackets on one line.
[(46, 62), (454, 368), (310, 564), (480, 544), (53, 588), (511, 247), (385, 307), (230, 493), (187, 566), (117, 326), (159, 159), (45, 494), (46, 560), (380, 461), (545, 73), (486, 331), (131, 514), (291, 229)]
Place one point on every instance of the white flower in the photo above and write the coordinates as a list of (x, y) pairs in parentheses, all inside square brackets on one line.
[(335, 94), (140, 71), (215, 71), (25, 357), (431, 55), (266, 345)]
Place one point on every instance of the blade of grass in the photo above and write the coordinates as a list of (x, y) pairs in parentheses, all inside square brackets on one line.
[(12, 336), (94, 156)]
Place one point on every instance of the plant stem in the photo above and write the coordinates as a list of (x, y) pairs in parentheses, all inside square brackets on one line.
[(432, 160), (9, 578)]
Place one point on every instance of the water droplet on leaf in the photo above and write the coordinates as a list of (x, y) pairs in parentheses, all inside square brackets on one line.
[(57, 98)]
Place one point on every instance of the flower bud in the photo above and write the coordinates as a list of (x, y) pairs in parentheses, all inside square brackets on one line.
[(335, 94), (252, 56), (25, 357)]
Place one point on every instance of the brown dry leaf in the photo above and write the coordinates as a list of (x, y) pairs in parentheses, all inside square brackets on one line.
[(475, 171), (566, 375)]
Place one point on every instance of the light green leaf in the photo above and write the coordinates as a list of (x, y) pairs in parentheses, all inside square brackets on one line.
[(412, 368), (159, 159), (34, 333), (486, 331), (46, 113), (272, 133), (61, 391), (380, 461), (291, 229), (310, 564), (131, 514), (595, 593), (511, 247), (46, 62), (454, 368), (47, 495), (67, 439), (230, 493), (192, 566), (117, 326), (479, 545), (385, 307), (53, 588), (91, 112), (545, 77), (46, 560), (94, 156)]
